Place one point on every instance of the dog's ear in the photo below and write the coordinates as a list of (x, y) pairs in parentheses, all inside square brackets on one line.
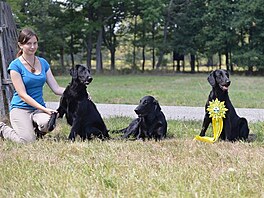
[(74, 73), (211, 79), (157, 106)]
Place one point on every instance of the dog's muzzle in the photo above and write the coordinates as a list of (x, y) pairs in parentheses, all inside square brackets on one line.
[(137, 111), (225, 86), (88, 81), (140, 113)]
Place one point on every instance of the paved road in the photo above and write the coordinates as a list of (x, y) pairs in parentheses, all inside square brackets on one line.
[(171, 112)]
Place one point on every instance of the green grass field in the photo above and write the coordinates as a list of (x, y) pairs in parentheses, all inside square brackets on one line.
[(178, 89), (175, 167)]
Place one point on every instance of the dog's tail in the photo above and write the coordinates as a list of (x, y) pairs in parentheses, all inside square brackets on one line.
[(119, 131)]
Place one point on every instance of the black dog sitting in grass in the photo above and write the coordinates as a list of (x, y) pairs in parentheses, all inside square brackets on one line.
[(81, 112), (151, 122), (234, 127)]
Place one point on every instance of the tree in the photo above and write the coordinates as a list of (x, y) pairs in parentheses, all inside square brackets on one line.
[(44, 18), (150, 16), (115, 17), (167, 20), (220, 36), (188, 26), (197, 27), (249, 24), (101, 19)]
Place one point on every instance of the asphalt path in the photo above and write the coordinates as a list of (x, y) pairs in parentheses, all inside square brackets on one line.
[(171, 112)]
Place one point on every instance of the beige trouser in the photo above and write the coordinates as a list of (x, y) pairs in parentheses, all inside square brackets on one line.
[(22, 125)]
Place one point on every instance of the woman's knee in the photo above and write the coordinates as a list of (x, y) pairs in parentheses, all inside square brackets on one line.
[(27, 138), (41, 120)]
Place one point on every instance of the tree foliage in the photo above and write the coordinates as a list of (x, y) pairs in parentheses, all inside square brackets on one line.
[(74, 31)]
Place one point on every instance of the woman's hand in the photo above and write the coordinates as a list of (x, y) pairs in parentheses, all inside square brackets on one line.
[(49, 111)]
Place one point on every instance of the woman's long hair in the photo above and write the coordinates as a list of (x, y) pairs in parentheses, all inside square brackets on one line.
[(24, 36)]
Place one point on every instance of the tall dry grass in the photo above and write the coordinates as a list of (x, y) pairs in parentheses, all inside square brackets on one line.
[(175, 167)]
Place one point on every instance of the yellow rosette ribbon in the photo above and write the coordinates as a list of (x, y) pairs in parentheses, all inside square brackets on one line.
[(217, 112)]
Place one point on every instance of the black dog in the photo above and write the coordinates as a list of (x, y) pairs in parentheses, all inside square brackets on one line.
[(81, 112), (235, 128), (151, 122)]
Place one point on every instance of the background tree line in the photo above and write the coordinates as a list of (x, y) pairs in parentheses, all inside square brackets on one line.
[(228, 33)]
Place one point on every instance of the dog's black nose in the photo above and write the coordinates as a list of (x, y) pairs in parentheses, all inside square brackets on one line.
[(138, 110), (228, 82), (90, 79)]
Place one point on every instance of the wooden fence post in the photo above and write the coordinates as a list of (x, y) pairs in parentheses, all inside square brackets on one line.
[(8, 46)]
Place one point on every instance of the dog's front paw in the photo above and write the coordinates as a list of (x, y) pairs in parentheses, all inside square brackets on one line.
[(202, 134), (251, 137), (71, 137), (60, 113), (52, 121)]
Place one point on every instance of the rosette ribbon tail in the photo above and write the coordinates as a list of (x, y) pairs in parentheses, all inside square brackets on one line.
[(217, 111)]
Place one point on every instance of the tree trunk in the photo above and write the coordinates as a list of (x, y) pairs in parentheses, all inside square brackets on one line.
[(192, 63), (89, 45), (71, 52), (231, 64), (143, 49), (153, 48), (134, 46), (143, 58), (227, 60), (178, 67), (99, 63), (165, 35), (220, 60), (112, 51), (62, 59), (250, 70)]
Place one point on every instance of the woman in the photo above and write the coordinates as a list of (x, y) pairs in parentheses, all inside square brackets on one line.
[(29, 73)]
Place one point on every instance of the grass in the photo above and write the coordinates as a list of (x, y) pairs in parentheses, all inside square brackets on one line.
[(175, 167), (178, 89)]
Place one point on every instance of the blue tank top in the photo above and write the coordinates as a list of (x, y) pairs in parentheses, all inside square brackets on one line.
[(33, 83)]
